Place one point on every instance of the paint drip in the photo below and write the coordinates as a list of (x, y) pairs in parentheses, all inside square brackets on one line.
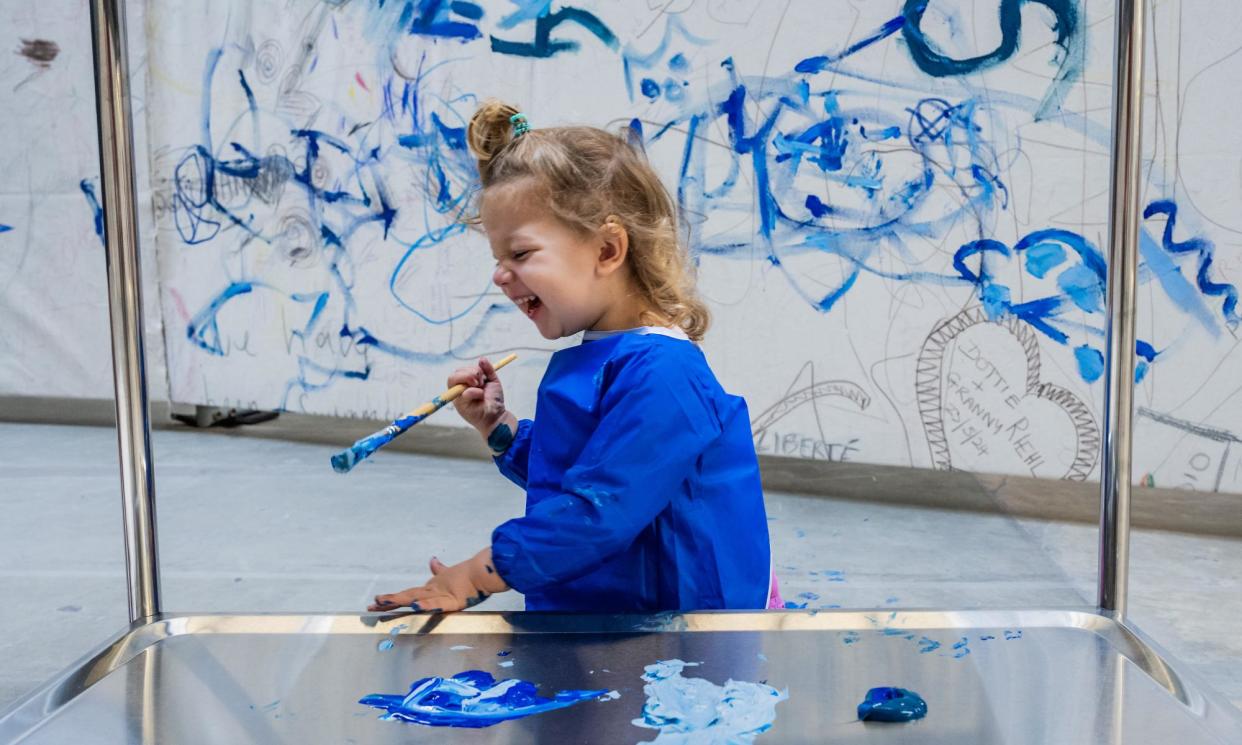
[(892, 705), (472, 699), (695, 711)]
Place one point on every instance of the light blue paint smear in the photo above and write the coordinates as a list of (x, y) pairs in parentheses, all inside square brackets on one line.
[(389, 643), (5, 228), (696, 711), (472, 699)]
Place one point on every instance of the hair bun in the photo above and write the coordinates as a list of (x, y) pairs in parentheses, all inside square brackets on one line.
[(490, 130)]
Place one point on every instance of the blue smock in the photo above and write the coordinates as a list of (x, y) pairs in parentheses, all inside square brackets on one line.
[(642, 486)]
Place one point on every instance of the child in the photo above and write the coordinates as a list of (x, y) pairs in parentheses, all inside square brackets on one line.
[(642, 484)]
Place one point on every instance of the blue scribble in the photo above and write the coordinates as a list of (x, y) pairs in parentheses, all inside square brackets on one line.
[(1070, 40), (546, 20), (927, 645), (471, 699), (1011, 635), (960, 649)]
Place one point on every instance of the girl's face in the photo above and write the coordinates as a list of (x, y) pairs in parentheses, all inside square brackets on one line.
[(563, 281)]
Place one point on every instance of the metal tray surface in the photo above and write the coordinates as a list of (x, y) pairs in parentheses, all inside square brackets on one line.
[(997, 677)]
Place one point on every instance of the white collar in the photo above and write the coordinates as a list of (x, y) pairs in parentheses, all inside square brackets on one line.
[(674, 333)]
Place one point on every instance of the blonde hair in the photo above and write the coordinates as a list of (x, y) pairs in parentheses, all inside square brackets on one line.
[(588, 175)]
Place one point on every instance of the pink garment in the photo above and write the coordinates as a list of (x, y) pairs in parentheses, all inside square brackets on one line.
[(774, 595)]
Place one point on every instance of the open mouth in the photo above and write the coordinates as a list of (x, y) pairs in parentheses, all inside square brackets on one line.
[(529, 304)]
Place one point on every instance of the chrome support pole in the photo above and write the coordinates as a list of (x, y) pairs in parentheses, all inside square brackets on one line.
[(1123, 230), (116, 159)]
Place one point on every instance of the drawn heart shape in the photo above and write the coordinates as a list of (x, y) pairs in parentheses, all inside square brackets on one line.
[(991, 408)]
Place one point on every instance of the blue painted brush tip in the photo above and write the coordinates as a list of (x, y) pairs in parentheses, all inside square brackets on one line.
[(343, 461), (889, 704)]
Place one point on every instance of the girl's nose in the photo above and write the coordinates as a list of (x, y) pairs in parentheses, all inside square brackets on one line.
[(501, 276)]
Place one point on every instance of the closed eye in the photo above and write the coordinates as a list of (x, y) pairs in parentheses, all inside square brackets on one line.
[(520, 255)]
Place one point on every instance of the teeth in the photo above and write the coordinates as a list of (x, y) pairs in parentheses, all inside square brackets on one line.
[(524, 301)]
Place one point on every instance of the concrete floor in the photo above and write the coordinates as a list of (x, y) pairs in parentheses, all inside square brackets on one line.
[(258, 525)]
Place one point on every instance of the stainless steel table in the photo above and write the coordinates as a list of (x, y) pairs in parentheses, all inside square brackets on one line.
[(1019, 677)]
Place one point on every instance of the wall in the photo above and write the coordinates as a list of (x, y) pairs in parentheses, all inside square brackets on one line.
[(899, 213)]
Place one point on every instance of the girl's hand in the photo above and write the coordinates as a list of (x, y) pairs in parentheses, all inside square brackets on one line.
[(482, 404), (450, 588)]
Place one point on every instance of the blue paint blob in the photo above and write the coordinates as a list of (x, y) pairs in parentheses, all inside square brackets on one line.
[(961, 649), (385, 645), (650, 88), (850, 637), (816, 207), (1090, 363), (471, 699), (1011, 635), (5, 228), (892, 705), (928, 645), (1044, 256), (1084, 286), (678, 63)]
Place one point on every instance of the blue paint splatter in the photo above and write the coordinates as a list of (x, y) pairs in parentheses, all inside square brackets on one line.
[(471, 699), (961, 649), (808, 596), (892, 705), (678, 63), (650, 88), (928, 645), (850, 637), (695, 710), (1011, 635), (791, 605), (1090, 363), (385, 645), (88, 190), (5, 228)]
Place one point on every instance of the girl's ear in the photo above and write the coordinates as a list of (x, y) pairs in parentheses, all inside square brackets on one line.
[(614, 246)]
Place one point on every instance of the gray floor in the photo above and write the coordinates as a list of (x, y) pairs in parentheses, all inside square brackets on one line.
[(260, 525)]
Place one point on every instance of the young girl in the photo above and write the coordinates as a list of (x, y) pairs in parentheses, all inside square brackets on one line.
[(642, 485)]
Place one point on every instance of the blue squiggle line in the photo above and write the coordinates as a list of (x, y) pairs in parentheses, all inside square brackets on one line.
[(1205, 250)]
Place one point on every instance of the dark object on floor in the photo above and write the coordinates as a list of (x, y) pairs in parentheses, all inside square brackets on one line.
[(211, 416)]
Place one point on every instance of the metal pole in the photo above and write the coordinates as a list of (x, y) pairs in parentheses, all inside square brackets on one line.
[(116, 159), (1119, 310)]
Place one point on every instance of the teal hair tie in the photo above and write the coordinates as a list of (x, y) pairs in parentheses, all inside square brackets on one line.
[(520, 125)]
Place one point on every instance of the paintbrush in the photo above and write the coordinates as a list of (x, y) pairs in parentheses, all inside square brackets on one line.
[(344, 461)]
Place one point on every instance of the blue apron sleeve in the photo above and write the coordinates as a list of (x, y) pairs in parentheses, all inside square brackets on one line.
[(655, 423), (514, 461)]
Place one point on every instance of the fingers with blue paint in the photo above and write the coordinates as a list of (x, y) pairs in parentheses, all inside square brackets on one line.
[(482, 404), (451, 588)]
